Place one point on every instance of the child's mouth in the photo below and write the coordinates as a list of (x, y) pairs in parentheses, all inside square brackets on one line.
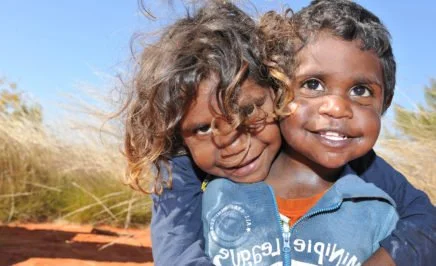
[(333, 138), (332, 135), (244, 168)]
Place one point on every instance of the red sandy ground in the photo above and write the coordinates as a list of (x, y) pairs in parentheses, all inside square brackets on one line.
[(71, 245)]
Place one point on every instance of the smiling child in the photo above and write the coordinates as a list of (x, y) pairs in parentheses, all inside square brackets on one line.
[(205, 83)]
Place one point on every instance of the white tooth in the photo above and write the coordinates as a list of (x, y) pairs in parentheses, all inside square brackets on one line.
[(335, 138), (331, 133)]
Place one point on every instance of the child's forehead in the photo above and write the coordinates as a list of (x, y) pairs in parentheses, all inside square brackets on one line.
[(205, 103), (326, 43), (245, 90), (331, 54)]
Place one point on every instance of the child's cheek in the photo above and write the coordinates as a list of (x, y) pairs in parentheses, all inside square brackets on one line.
[(301, 113), (368, 121), (302, 110), (200, 153)]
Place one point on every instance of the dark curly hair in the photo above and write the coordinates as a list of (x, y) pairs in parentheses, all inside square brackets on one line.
[(218, 39), (287, 34)]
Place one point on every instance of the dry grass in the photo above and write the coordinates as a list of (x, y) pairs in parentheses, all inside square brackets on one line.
[(69, 175), (415, 159), (411, 148)]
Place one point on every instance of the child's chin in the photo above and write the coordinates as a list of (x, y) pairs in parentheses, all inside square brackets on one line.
[(334, 163)]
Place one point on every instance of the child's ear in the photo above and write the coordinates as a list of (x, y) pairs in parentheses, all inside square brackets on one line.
[(388, 103)]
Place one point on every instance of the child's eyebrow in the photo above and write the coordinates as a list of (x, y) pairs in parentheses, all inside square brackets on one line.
[(368, 80), (310, 74)]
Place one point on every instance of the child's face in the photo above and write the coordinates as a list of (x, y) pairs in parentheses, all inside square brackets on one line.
[(339, 95), (235, 155)]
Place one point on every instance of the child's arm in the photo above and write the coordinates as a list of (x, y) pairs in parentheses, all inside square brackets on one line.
[(413, 241), (176, 227), (380, 258)]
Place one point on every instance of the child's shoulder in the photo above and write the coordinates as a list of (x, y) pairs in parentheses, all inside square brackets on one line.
[(372, 164), (351, 186), (183, 172)]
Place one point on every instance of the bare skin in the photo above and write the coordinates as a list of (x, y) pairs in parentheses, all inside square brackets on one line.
[(380, 258)]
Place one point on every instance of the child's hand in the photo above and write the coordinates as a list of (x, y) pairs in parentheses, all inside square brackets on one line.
[(380, 258)]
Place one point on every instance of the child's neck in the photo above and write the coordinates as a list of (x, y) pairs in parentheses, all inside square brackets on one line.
[(295, 176)]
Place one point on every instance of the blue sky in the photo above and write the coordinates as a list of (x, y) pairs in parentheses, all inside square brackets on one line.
[(49, 47)]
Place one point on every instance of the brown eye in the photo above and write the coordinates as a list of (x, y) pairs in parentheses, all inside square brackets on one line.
[(313, 84), (251, 114), (360, 91), (203, 130), (248, 111)]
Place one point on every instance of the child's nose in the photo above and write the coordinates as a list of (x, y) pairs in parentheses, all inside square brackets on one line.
[(336, 106)]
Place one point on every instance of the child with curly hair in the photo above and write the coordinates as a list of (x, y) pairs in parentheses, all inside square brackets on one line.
[(204, 89)]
